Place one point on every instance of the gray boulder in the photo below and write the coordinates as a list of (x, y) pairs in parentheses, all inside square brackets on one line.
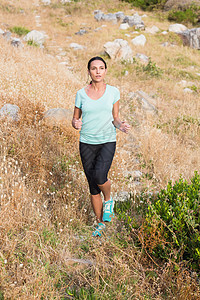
[(134, 20), (35, 36), (177, 28), (1, 31), (191, 38), (120, 15), (145, 101), (10, 111), (109, 17), (98, 15), (139, 40), (119, 49)]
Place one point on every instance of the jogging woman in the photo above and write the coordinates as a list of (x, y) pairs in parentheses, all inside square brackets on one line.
[(98, 104)]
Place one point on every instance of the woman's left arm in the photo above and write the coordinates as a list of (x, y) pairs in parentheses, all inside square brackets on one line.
[(121, 125)]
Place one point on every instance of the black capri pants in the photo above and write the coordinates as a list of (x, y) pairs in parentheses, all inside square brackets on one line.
[(96, 161)]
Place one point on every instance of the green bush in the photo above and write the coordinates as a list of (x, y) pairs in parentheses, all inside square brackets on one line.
[(189, 15), (170, 226), (19, 30), (147, 4)]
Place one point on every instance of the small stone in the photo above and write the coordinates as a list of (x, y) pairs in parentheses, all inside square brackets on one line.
[(81, 32), (124, 26), (16, 42), (142, 57), (76, 46), (164, 32), (188, 90), (152, 30)]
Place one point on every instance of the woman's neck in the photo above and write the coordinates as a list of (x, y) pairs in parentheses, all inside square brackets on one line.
[(97, 86)]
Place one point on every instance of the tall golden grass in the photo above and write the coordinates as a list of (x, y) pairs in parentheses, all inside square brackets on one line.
[(45, 214)]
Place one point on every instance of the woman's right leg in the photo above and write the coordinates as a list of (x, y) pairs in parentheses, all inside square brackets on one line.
[(88, 157)]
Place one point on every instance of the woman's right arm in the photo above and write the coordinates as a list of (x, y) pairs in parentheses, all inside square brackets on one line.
[(76, 121)]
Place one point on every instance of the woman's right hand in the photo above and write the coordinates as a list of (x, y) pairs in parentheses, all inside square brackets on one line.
[(77, 123)]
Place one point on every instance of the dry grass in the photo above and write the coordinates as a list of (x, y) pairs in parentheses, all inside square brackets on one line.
[(45, 215)]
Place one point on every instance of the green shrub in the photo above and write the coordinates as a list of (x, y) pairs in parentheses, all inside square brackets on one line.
[(147, 4), (189, 15), (19, 30), (152, 69), (170, 226)]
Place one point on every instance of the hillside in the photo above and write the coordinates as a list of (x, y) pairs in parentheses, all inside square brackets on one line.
[(46, 248)]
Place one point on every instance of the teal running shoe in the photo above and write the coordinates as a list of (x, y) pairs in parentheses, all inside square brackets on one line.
[(108, 213), (99, 229)]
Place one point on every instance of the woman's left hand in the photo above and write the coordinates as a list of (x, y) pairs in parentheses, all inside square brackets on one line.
[(124, 127)]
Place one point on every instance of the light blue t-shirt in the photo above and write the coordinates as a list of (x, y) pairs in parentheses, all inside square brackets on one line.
[(97, 126)]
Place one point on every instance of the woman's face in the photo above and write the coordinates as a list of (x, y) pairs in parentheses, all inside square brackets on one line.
[(97, 71)]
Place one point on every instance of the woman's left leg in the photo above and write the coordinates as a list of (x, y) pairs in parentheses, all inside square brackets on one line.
[(102, 166)]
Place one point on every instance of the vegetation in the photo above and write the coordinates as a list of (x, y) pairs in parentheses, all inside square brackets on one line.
[(19, 30), (170, 226), (188, 15), (147, 4)]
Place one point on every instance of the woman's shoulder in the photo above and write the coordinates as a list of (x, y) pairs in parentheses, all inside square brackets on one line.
[(112, 88), (81, 90)]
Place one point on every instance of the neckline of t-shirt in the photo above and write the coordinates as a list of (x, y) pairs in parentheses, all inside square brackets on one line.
[(98, 98)]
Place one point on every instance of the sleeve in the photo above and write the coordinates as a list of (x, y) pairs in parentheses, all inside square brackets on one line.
[(116, 95), (78, 102)]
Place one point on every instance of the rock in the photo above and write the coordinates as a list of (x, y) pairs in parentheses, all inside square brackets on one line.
[(16, 42), (1, 31), (81, 32), (191, 38), (188, 90), (134, 20), (128, 35), (35, 36), (185, 83), (7, 35), (180, 4), (120, 15), (10, 111), (145, 101), (97, 11), (126, 73), (57, 115), (121, 196), (46, 2), (124, 26), (152, 30), (139, 40), (119, 49), (76, 46), (142, 57), (177, 28), (164, 32), (165, 44), (98, 15), (109, 17), (65, 1)]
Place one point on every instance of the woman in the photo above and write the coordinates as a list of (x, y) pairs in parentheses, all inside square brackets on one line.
[(98, 104)]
